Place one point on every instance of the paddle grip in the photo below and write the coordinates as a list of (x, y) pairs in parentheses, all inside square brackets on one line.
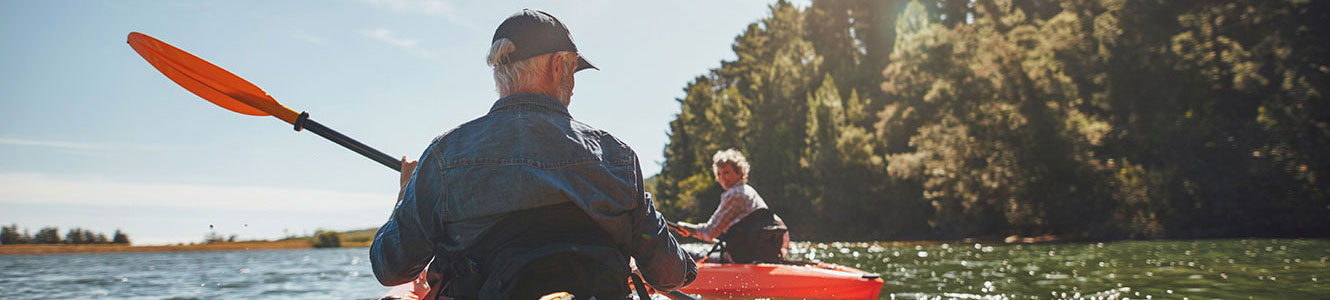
[(303, 122)]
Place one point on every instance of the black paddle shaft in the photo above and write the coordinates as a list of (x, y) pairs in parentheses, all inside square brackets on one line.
[(332, 135)]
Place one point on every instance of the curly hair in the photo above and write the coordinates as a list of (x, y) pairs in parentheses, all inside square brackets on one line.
[(733, 158)]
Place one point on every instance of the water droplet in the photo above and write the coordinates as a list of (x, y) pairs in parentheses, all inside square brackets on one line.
[(923, 253)]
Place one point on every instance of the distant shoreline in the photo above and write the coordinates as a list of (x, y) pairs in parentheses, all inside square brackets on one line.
[(30, 249)]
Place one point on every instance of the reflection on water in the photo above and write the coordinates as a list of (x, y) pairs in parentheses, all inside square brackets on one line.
[(1203, 269)]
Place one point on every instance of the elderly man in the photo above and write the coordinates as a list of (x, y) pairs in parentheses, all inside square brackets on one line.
[(750, 231), (525, 201)]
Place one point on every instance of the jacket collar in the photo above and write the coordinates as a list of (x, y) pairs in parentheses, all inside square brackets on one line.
[(536, 100)]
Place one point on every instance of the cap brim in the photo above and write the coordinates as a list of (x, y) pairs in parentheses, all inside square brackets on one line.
[(583, 64)]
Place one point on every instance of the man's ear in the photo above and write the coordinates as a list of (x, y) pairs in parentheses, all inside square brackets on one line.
[(556, 67)]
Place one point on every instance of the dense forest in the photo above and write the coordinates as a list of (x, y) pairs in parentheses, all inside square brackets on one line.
[(948, 119)]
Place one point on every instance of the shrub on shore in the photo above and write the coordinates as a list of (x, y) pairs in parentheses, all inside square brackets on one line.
[(327, 239)]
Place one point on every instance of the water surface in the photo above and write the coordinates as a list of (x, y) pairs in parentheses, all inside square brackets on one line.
[(1199, 269), (269, 274)]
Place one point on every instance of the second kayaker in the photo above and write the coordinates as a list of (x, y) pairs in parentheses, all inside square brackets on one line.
[(526, 201), (750, 230)]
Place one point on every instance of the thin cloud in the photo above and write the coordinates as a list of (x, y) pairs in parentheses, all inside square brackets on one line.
[(387, 36), (411, 46), (51, 144), (68, 145), (305, 36), (427, 7), (34, 188)]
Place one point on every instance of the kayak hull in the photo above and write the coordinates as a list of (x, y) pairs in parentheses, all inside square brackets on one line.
[(810, 281)]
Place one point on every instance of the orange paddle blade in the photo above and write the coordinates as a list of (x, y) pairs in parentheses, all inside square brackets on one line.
[(209, 81)]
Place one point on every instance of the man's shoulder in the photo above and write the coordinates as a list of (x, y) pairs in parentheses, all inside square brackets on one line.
[(612, 149), (464, 129), (586, 129)]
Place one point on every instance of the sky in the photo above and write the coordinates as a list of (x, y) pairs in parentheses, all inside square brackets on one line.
[(92, 136)]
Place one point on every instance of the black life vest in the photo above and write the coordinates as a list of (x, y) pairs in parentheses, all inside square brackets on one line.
[(536, 252), (758, 237)]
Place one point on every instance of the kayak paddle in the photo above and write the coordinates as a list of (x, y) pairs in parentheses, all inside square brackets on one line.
[(231, 92)]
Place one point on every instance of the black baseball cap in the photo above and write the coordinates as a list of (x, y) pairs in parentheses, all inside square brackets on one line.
[(535, 32)]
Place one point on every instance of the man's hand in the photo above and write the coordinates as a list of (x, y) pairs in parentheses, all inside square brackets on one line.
[(408, 168)]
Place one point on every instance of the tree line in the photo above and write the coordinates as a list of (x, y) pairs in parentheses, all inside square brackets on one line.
[(10, 235), (944, 119)]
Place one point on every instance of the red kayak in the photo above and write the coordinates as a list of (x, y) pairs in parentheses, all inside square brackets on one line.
[(807, 281)]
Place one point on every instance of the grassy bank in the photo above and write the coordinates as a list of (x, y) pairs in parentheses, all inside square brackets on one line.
[(114, 248), (349, 239)]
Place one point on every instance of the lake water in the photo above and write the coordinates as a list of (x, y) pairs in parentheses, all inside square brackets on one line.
[(1202, 269)]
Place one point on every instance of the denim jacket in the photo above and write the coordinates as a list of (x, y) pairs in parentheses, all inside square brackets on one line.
[(527, 152)]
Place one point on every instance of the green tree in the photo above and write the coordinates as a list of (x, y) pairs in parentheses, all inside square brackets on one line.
[(120, 237), (940, 119), (75, 236), (9, 235), (47, 235)]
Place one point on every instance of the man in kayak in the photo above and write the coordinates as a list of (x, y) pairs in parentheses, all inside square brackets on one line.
[(750, 231), (526, 201)]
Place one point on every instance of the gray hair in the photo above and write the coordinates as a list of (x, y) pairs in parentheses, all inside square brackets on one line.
[(515, 76), (732, 157)]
